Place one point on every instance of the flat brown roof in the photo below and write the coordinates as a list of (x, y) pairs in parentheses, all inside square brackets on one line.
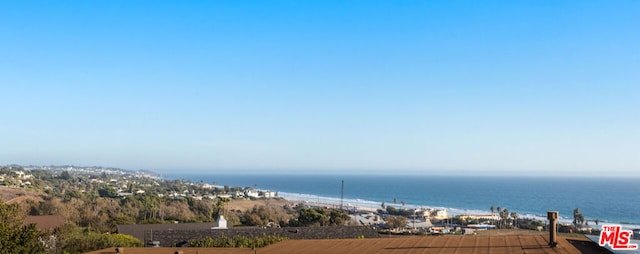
[(433, 244), (494, 244), (45, 222)]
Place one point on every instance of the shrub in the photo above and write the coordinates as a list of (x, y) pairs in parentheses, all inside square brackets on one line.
[(236, 242)]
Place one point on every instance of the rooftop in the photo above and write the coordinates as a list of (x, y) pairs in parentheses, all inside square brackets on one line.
[(529, 244), (45, 222)]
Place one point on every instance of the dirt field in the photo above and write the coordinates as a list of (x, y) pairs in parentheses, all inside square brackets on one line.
[(14, 195)]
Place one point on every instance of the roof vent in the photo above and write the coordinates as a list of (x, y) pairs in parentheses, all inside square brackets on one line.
[(553, 219)]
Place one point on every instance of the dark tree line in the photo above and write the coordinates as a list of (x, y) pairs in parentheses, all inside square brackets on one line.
[(319, 216)]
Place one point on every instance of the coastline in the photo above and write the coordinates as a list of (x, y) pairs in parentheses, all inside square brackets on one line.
[(365, 206), (458, 195)]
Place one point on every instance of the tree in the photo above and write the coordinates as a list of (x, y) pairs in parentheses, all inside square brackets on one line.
[(395, 222), (463, 220), (65, 175), (514, 215), (311, 217), (383, 205), (597, 221), (73, 239), (493, 209), (319, 216), (220, 205), (395, 200), (338, 217), (578, 218), (504, 216), (108, 192), (392, 210), (15, 237), (402, 202)]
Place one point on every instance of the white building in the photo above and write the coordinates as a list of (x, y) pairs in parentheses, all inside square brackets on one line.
[(269, 194), (435, 214), (480, 216), (221, 223), (251, 193)]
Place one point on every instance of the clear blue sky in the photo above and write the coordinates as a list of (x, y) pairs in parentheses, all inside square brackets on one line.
[(506, 87)]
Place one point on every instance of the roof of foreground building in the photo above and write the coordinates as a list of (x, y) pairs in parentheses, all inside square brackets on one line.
[(495, 244)]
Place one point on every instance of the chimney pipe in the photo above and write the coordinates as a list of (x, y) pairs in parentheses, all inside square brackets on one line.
[(553, 228)]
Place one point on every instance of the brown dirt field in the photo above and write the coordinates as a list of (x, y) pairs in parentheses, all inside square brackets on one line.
[(15, 195), (25, 198), (45, 222), (244, 205)]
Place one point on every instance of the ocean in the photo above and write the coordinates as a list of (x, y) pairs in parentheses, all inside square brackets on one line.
[(610, 200)]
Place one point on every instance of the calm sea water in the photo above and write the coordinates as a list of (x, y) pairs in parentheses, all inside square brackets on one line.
[(609, 200)]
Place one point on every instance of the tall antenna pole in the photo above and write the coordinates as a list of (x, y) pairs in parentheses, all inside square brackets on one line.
[(342, 195)]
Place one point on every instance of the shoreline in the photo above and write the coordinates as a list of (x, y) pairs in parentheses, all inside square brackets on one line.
[(334, 201), (320, 201)]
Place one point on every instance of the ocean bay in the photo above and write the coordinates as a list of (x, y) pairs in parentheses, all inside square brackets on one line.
[(610, 200)]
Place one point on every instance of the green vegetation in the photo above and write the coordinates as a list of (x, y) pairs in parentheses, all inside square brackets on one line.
[(264, 216), (319, 216), (101, 201), (507, 219), (236, 242), (18, 238), (393, 211), (530, 224), (94, 202), (578, 218), (73, 239), (14, 237)]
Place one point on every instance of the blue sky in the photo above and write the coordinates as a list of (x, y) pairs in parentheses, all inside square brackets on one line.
[(474, 87)]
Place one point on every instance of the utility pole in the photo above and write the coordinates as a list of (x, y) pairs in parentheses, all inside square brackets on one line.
[(413, 216), (342, 195)]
